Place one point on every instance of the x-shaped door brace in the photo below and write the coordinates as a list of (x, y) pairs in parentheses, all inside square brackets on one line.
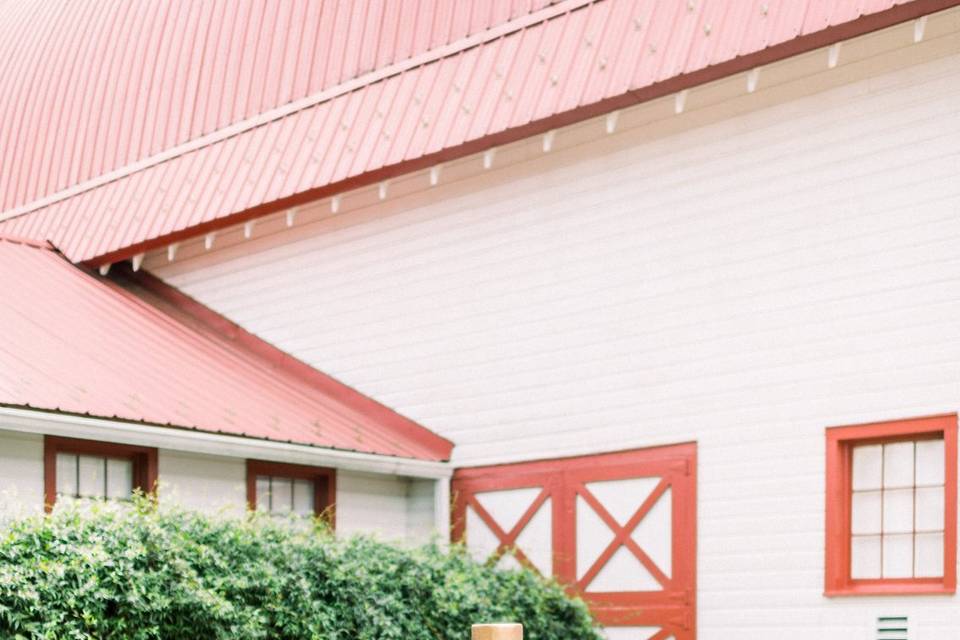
[(508, 540), (622, 535)]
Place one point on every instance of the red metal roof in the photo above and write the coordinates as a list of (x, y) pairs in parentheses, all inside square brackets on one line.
[(86, 87), (560, 63), (132, 349)]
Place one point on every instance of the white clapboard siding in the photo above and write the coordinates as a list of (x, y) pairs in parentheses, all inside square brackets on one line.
[(206, 483), (379, 505), (421, 523), (21, 474), (744, 284)]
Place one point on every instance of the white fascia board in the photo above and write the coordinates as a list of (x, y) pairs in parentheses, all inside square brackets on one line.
[(58, 424)]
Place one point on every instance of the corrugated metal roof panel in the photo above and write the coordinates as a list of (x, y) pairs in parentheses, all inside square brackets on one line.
[(134, 350), (87, 87), (555, 63)]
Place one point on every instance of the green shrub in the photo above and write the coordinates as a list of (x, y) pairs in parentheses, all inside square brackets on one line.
[(143, 572)]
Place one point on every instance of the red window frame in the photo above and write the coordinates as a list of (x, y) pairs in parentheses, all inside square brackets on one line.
[(840, 443), (324, 479), (144, 462)]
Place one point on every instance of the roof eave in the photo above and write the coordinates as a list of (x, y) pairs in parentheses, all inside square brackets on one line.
[(36, 421)]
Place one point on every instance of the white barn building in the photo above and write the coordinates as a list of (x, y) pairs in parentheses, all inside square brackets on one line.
[(657, 298)]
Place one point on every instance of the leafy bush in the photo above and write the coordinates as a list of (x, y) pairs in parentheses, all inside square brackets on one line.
[(143, 572)]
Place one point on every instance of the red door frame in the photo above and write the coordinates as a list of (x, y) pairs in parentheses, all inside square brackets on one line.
[(562, 480)]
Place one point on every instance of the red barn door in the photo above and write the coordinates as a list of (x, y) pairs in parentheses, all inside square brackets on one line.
[(619, 529)]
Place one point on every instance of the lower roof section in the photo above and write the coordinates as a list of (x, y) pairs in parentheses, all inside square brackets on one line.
[(132, 349)]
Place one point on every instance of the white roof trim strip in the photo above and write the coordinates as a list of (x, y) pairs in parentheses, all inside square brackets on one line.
[(59, 424)]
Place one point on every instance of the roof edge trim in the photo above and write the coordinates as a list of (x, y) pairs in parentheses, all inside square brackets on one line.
[(38, 421), (37, 244), (378, 75)]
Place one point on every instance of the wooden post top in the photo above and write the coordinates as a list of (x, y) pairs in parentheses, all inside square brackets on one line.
[(504, 631)]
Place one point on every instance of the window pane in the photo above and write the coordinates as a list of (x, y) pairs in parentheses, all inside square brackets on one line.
[(91, 476), (66, 474), (930, 509), (263, 493), (282, 495), (898, 464), (119, 479), (929, 555), (930, 462), (867, 466), (865, 557), (898, 511), (898, 556), (865, 516), (303, 491)]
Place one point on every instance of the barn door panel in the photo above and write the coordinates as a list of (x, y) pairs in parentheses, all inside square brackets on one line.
[(513, 525), (623, 532), (635, 539), (619, 529)]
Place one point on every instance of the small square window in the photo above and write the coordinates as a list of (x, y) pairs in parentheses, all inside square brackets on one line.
[(891, 507), (281, 489)]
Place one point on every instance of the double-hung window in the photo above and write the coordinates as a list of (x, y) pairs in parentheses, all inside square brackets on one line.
[(891, 507)]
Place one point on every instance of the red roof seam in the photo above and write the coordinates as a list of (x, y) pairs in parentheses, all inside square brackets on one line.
[(17, 130), (29, 179)]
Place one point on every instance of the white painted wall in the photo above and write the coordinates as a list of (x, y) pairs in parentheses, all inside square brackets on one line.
[(421, 521), (21, 474), (744, 284), (203, 482), (393, 508)]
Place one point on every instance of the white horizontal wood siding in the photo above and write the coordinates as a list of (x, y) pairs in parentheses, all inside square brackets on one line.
[(743, 284), (21, 474), (372, 504), (206, 483), (421, 520)]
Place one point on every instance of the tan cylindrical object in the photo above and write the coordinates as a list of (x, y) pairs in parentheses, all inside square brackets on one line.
[(507, 631)]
